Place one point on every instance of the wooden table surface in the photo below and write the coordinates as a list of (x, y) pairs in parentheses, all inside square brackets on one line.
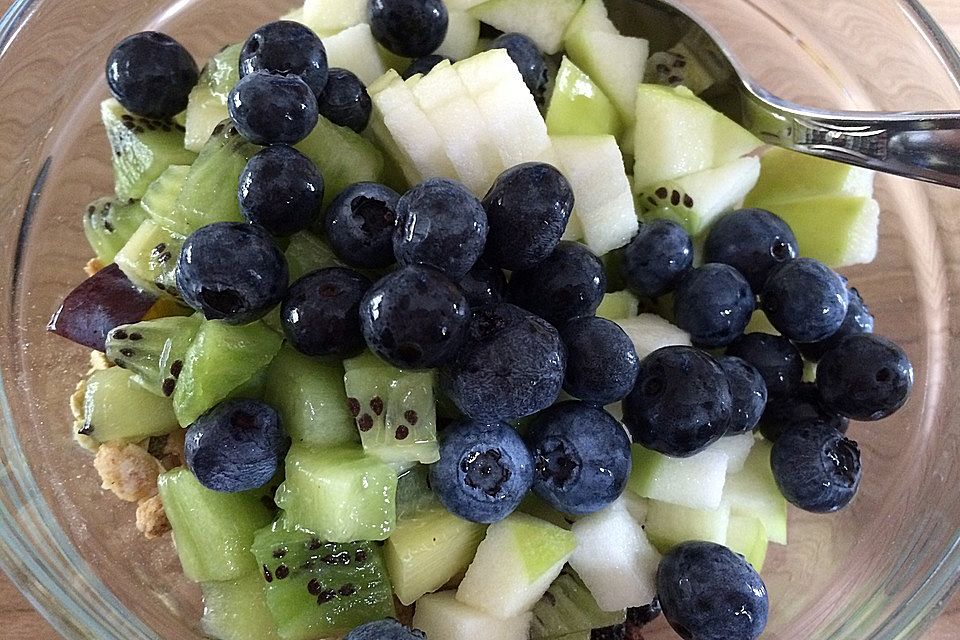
[(19, 621)]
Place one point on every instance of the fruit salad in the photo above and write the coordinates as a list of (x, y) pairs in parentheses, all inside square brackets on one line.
[(460, 319)]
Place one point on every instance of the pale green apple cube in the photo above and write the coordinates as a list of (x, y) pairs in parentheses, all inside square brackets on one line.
[(592, 16), (614, 62), (444, 617), (695, 482), (515, 564), (668, 524), (578, 106), (614, 558), (754, 492), (328, 17), (788, 175), (354, 49), (747, 536), (650, 332), (737, 448), (338, 493), (544, 21), (463, 34), (619, 305), (678, 134)]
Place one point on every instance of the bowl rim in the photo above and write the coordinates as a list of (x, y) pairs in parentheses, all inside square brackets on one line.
[(70, 614)]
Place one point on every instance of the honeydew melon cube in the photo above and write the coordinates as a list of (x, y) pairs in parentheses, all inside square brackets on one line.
[(650, 332), (578, 106), (515, 564), (544, 21), (602, 201), (840, 231), (754, 492), (614, 559), (405, 131), (444, 617), (614, 62), (747, 536), (457, 118), (788, 175), (695, 482), (332, 16), (355, 49), (510, 116), (668, 524), (737, 448), (678, 134), (592, 16), (463, 34), (618, 306)]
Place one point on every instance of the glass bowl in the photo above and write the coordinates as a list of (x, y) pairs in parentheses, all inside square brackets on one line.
[(879, 570)]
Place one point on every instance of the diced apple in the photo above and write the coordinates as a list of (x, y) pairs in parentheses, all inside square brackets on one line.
[(614, 62), (614, 558), (747, 536), (463, 33), (618, 306), (594, 167), (695, 482), (650, 332), (754, 492), (788, 175), (442, 616), (355, 49), (737, 448), (678, 134), (515, 564), (578, 106), (332, 16), (544, 21), (668, 524), (592, 16)]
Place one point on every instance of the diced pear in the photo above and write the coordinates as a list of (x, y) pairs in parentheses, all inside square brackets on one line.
[(544, 21), (332, 16), (592, 16), (578, 106), (355, 49), (463, 33), (650, 332), (614, 62), (442, 616), (695, 482), (737, 448)]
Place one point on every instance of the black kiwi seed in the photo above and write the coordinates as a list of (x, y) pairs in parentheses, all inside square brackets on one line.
[(360, 556), (675, 197), (158, 250), (347, 590), (91, 209), (108, 227), (138, 129), (662, 192), (411, 416), (282, 572), (127, 352), (314, 544), (313, 587), (354, 405), (266, 574), (687, 201), (169, 385), (325, 596), (136, 336), (279, 552), (86, 430), (120, 334), (365, 422), (376, 404), (176, 368), (402, 432)]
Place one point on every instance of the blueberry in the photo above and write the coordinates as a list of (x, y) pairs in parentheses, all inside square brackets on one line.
[(483, 285), (415, 318), (320, 315), (236, 446), (602, 363), (657, 258), (423, 65), (231, 271), (681, 402), (388, 629), (805, 300), (409, 28), (817, 469), (613, 632), (281, 190), (345, 100), (484, 471), (753, 242), (570, 283), (803, 406), (271, 109), (642, 616), (713, 304), (528, 58), (510, 366), (360, 223), (286, 48), (865, 377), (749, 393), (582, 457), (708, 592), (775, 357), (528, 208), (858, 320), (151, 74), (442, 225)]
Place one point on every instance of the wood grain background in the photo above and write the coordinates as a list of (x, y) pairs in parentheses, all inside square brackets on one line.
[(19, 621)]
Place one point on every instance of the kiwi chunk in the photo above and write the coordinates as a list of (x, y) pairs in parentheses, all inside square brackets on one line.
[(342, 156), (670, 202), (109, 223), (307, 252), (221, 358), (160, 200), (237, 609), (213, 531), (149, 259), (318, 589), (209, 191), (154, 350), (568, 608), (310, 398), (142, 148), (395, 410), (207, 105), (115, 407)]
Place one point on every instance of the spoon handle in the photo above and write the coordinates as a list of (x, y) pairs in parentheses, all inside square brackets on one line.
[(923, 146)]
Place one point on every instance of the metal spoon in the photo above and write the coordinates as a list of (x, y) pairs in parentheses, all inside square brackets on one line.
[(919, 145)]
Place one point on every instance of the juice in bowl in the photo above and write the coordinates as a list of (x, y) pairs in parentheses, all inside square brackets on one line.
[(625, 354)]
